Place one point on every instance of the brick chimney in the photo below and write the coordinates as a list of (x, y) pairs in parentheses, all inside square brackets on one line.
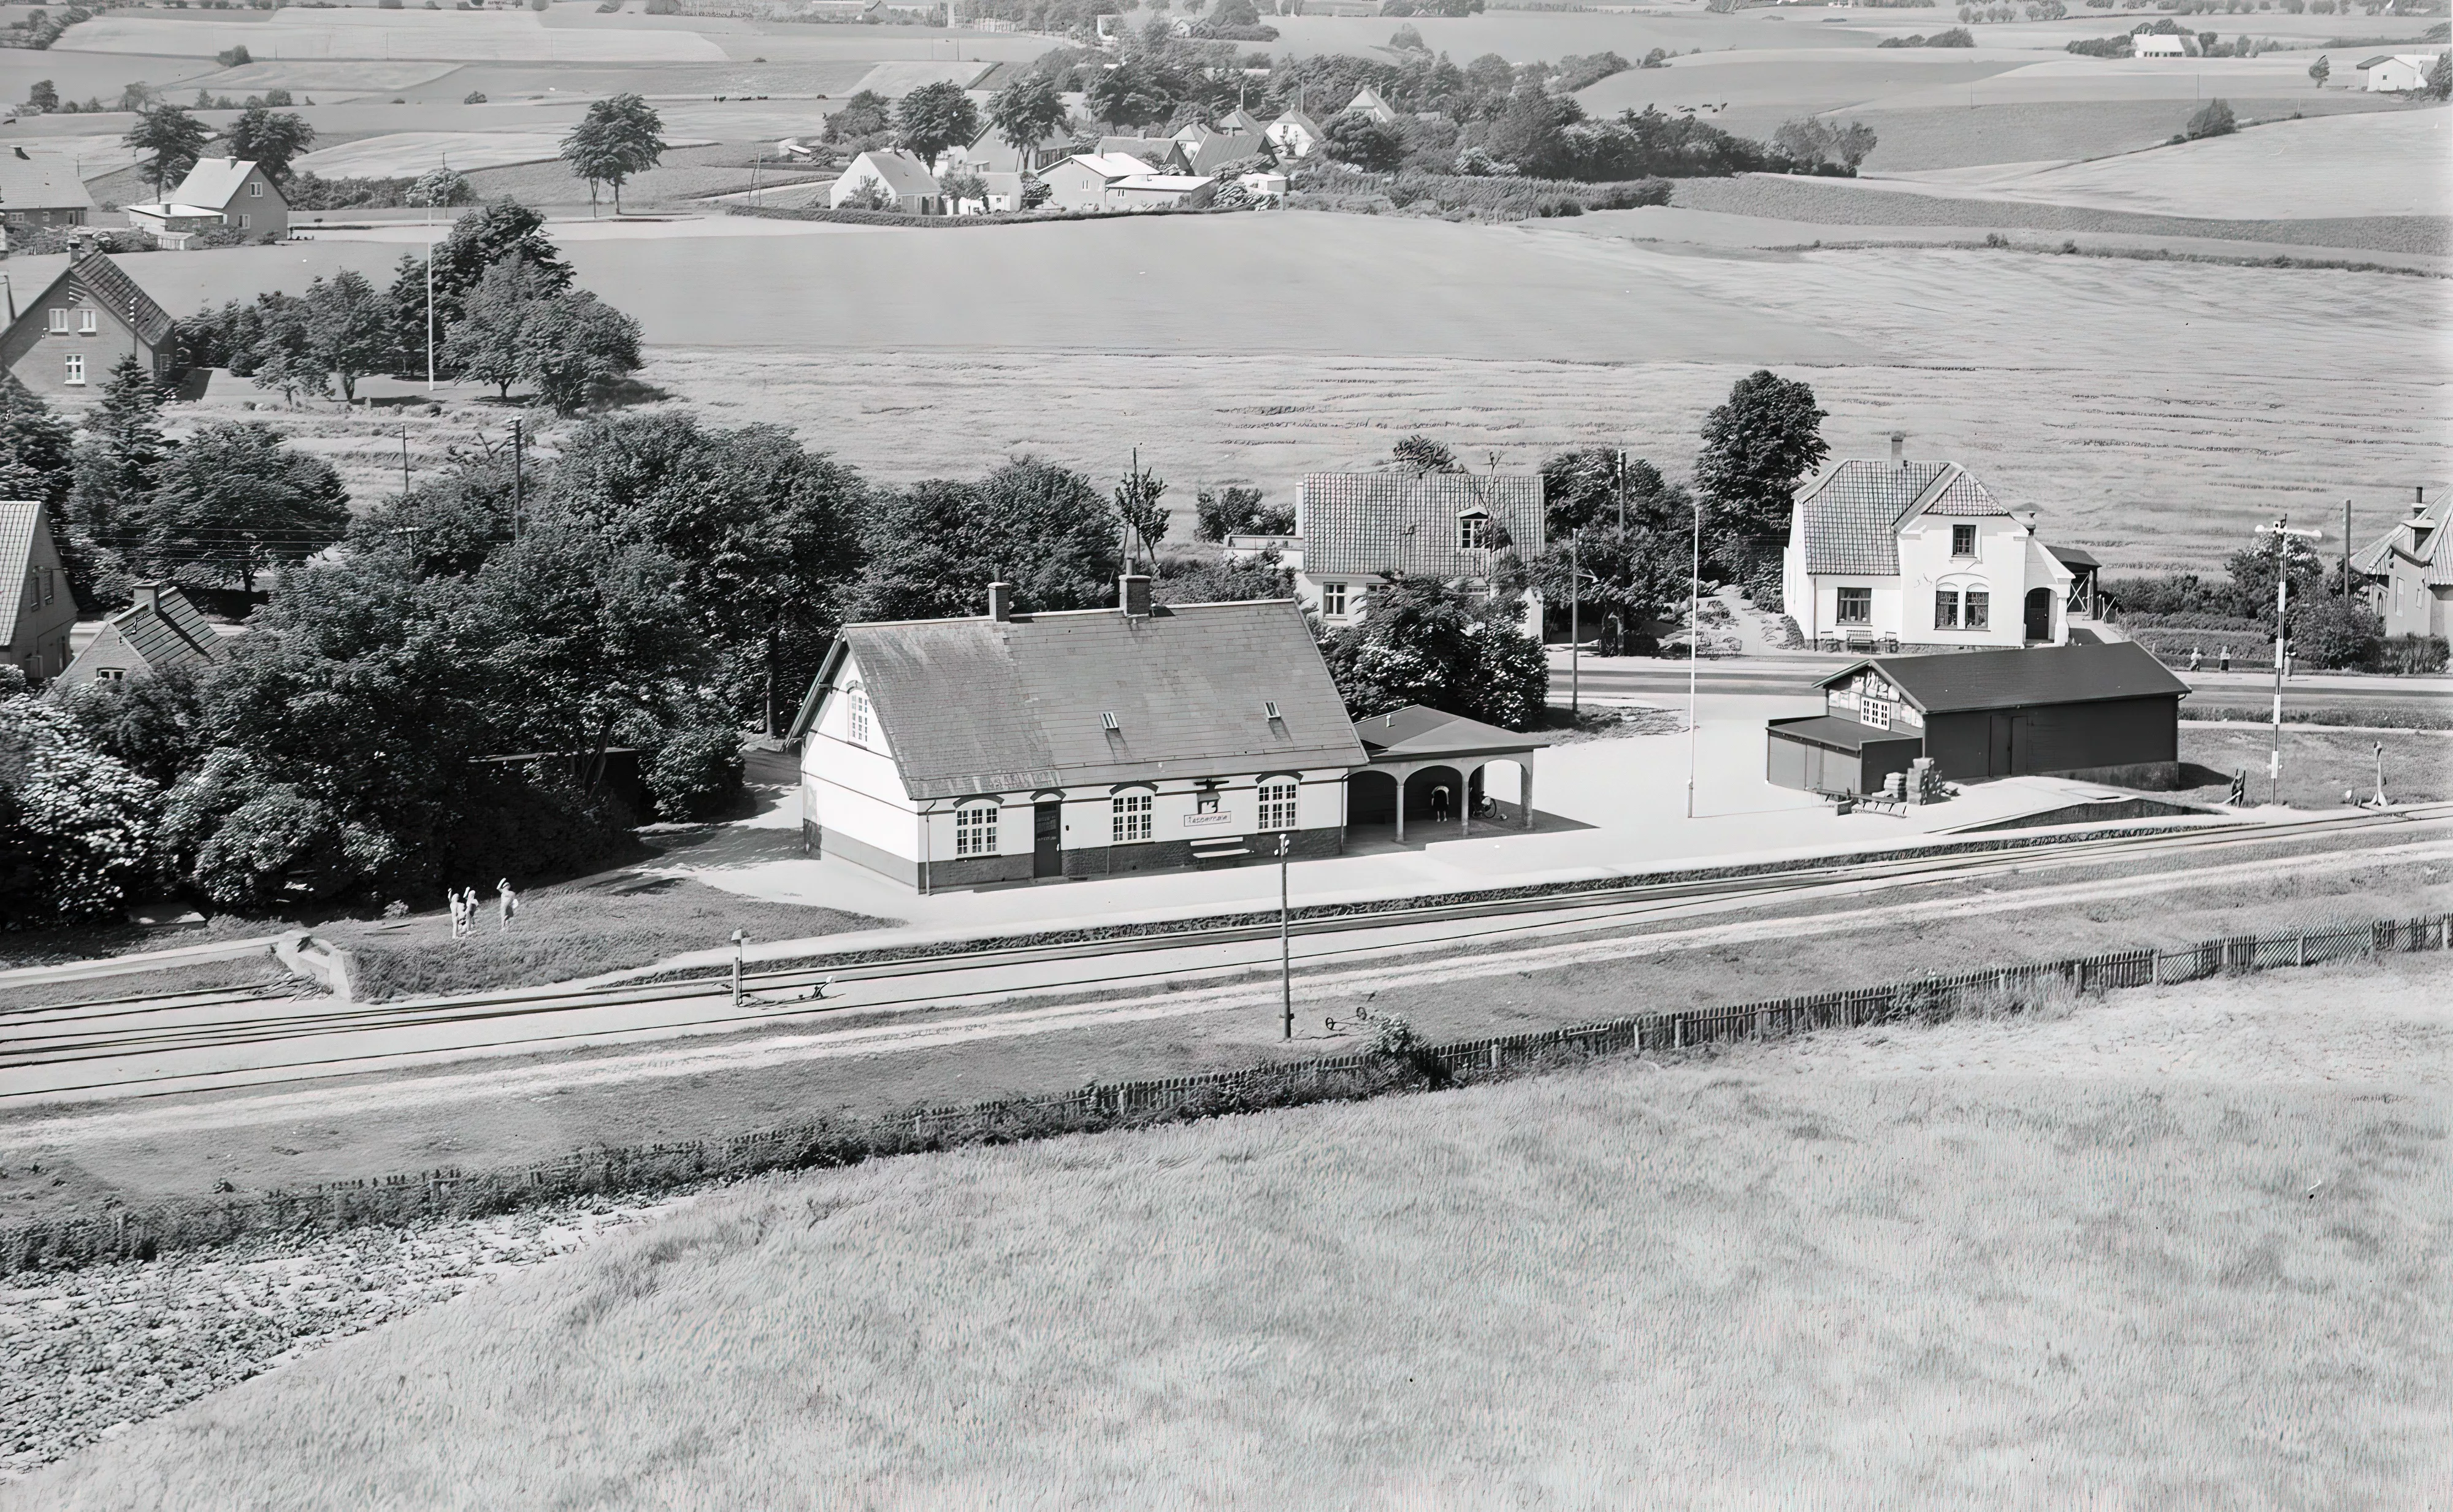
[(1001, 602), (148, 596), (1133, 593)]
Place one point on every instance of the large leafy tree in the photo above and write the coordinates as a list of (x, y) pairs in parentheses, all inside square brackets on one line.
[(412, 318), (1757, 445), (1422, 640), (484, 339), (868, 114), (933, 547), (36, 447), (761, 531), (166, 141), (1025, 113), (936, 117), (234, 498), (1638, 573), (1132, 94), (576, 346), (346, 328), (619, 137), (272, 139), (1595, 486), (493, 231), (1366, 142)]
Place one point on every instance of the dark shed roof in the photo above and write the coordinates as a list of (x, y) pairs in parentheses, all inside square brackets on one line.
[(2070, 556), (1414, 732), (981, 706), (1838, 734), (1957, 682)]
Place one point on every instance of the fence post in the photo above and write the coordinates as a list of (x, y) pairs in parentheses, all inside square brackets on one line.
[(2300, 949), (1494, 1055)]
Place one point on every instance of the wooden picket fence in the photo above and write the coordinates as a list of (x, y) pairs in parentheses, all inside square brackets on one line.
[(640, 1169)]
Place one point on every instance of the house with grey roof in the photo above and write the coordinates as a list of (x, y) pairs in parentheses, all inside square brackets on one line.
[(37, 611), (1015, 747), (1910, 553), (41, 189), (896, 177), (1295, 135), (63, 345), (160, 631), (2408, 571), (226, 192), (1360, 528)]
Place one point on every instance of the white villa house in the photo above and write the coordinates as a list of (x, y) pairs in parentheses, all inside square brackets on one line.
[(2157, 45), (2398, 72), (1917, 554), (218, 194), (1011, 747), (1295, 135)]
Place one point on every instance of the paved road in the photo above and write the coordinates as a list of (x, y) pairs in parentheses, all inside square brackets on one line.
[(106, 1053), (1665, 682)]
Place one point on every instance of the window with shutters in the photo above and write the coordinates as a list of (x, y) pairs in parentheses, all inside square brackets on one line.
[(1132, 817), (975, 829)]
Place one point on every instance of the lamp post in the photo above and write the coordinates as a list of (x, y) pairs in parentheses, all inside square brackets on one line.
[(1285, 952), (738, 941), (1694, 640)]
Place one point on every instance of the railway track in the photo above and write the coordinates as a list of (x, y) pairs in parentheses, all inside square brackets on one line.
[(135, 1037)]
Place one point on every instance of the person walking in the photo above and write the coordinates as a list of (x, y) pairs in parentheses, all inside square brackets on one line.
[(507, 901), (2195, 658), (459, 912), (2225, 655)]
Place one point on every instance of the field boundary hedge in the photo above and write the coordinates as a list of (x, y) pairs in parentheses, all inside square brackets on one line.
[(647, 1169)]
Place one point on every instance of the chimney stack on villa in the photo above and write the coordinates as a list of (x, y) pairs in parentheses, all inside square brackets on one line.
[(1001, 602), (149, 595), (1900, 448), (1133, 593)]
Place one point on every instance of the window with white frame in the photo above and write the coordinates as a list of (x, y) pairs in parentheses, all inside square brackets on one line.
[(88, 322), (1332, 600), (1854, 606), (1278, 804), (1472, 529), (1978, 613), (59, 321), (254, 189), (245, 220), (856, 717), (1132, 816), (76, 369), (975, 829), (1946, 609), (1962, 540)]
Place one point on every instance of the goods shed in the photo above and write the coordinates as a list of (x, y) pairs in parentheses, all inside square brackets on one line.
[(2110, 713)]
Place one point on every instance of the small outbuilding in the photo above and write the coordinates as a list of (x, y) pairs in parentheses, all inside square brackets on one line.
[(1430, 765), (2108, 713)]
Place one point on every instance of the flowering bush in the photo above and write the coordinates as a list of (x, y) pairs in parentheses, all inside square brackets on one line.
[(75, 824)]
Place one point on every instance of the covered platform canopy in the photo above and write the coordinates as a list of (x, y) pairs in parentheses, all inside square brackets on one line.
[(1416, 741)]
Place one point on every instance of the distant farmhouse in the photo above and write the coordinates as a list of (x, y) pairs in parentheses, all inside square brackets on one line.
[(2409, 570), (1359, 528), (160, 631), (1119, 181), (42, 190), (1012, 746), (2104, 713), (1918, 554), (2398, 72), (1295, 135), (896, 177), (2158, 45), (218, 194), (65, 343), (37, 611), (1366, 101)]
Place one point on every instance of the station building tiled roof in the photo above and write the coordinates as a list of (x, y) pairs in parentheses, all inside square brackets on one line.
[(1357, 523)]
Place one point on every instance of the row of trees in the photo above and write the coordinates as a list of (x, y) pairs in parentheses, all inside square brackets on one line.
[(498, 305)]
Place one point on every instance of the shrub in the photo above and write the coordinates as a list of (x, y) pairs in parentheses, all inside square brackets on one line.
[(1461, 195), (75, 824), (2331, 631), (2413, 653), (696, 772), (2214, 118), (232, 57), (1393, 1037)]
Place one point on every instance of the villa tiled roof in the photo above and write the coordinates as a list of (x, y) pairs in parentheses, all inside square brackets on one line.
[(900, 171), (112, 288), (169, 633), (214, 182), (1853, 512), (981, 706), (1364, 523), (2376, 558), (41, 181), (19, 520)]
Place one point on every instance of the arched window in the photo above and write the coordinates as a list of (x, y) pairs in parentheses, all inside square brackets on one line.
[(1277, 803), (975, 828), (1130, 815), (856, 715)]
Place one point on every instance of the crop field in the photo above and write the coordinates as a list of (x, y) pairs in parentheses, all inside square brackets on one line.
[(2352, 165), (384, 35), (405, 154), (1905, 1264), (1946, 137)]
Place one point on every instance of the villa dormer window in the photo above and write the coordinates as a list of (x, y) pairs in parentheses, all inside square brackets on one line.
[(1473, 531)]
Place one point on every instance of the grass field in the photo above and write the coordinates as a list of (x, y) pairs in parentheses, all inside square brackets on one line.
[(2319, 765), (1899, 1266), (1956, 137)]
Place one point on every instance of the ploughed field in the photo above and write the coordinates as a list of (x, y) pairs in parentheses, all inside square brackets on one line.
[(1906, 1263)]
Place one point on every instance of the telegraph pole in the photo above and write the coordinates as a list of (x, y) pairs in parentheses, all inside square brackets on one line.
[(1694, 641), (519, 479), (2283, 535), (1575, 627)]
